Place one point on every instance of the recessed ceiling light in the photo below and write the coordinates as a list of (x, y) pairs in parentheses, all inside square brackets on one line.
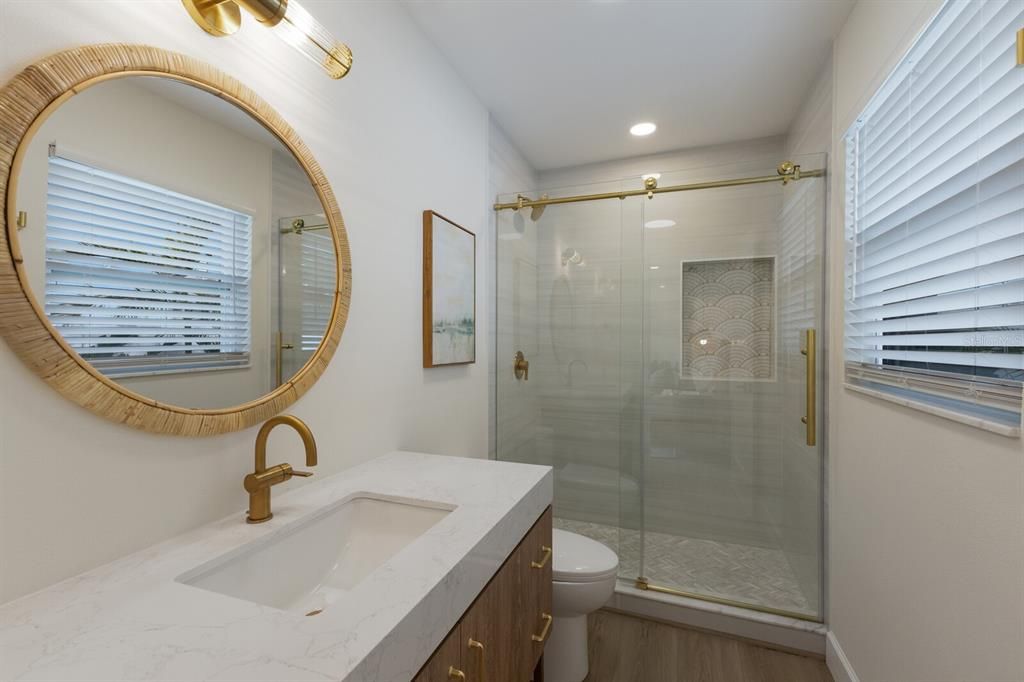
[(656, 176), (659, 224), (655, 267), (641, 129)]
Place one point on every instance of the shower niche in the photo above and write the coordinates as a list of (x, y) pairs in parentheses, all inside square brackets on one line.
[(728, 319)]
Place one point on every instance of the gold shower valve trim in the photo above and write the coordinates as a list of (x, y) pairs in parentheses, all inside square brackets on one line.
[(224, 17)]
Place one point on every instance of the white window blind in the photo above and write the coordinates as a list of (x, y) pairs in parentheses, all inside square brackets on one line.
[(935, 219), (140, 279), (318, 283)]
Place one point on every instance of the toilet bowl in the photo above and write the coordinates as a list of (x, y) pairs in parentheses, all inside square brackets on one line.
[(584, 573)]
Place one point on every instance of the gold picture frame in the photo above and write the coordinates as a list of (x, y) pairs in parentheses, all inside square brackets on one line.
[(449, 272)]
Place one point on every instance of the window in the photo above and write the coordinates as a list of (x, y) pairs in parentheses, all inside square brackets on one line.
[(143, 280), (935, 221)]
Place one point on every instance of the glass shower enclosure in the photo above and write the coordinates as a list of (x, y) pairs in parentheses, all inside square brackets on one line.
[(304, 255), (673, 384)]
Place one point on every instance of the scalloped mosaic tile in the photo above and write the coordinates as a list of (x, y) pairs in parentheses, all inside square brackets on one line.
[(728, 318)]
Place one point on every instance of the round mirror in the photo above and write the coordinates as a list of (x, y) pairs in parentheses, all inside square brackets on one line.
[(180, 245)]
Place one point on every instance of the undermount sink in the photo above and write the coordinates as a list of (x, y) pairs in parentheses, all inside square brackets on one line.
[(311, 564)]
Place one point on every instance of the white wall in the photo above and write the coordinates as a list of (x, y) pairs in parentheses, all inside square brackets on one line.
[(926, 522), (400, 134)]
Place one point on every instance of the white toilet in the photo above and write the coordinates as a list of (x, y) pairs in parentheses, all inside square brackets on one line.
[(584, 574)]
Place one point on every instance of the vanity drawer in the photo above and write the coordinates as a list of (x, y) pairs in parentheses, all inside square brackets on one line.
[(502, 635), (533, 562), (445, 662)]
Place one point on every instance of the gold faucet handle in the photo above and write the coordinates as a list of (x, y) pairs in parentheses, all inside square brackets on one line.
[(272, 476)]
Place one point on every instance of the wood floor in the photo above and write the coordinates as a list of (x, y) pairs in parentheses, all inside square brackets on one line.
[(627, 649)]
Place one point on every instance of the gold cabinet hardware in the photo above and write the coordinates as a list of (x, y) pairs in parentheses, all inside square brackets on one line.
[(809, 351), (543, 562), (260, 481), (521, 366), (547, 618), (455, 674), (473, 644)]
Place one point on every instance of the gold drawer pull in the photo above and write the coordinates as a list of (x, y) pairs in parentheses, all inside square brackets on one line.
[(546, 617), (455, 674), (543, 562), (473, 644)]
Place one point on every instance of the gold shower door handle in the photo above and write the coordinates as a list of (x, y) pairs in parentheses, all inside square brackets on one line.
[(279, 359), (809, 351)]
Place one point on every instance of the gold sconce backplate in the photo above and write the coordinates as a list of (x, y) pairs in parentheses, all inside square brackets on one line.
[(216, 18)]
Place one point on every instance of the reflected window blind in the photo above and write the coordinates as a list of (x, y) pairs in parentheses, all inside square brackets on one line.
[(935, 219), (143, 280), (318, 275)]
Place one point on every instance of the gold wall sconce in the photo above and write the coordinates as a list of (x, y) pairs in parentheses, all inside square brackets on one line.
[(290, 21)]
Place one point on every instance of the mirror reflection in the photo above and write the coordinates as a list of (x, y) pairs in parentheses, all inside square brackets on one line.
[(175, 243)]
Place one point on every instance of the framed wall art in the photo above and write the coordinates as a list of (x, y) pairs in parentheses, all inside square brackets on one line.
[(449, 292)]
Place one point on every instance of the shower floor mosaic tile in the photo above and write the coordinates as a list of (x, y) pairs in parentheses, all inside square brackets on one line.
[(754, 575)]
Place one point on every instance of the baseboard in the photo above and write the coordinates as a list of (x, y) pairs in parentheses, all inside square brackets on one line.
[(789, 634), (837, 662)]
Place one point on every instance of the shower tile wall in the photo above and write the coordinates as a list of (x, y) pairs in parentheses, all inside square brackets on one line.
[(713, 461), (728, 319), (513, 325), (713, 464), (588, 369)]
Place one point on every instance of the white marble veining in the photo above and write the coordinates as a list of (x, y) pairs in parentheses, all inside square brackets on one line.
[(131, 619)]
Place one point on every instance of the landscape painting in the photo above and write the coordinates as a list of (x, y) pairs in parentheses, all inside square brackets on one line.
[(449, 292)]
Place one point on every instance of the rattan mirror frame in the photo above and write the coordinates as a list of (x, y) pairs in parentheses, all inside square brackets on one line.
[(25, 103)]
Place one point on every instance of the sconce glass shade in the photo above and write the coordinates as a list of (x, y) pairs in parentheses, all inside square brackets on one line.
[(299, 29), (287, 18)]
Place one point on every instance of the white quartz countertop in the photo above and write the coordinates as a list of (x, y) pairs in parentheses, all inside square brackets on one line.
[(130, 619)]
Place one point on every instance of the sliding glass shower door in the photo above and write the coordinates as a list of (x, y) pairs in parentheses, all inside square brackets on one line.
[(670, 340)]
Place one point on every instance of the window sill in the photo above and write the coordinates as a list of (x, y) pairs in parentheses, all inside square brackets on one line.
[(978, 422)]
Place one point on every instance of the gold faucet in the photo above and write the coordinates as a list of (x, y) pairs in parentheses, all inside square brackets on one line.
[(258, 483)]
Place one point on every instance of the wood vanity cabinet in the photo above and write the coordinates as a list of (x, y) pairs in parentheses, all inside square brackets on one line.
[(501, 637)]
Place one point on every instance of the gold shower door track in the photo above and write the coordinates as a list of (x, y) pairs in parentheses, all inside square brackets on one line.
[(645, 585), (787, 172)]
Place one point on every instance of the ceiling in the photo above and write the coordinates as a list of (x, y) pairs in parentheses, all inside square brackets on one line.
[(566, 79)]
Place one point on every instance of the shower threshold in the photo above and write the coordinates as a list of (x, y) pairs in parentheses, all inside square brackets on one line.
[(642, 583), (757, 579)]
